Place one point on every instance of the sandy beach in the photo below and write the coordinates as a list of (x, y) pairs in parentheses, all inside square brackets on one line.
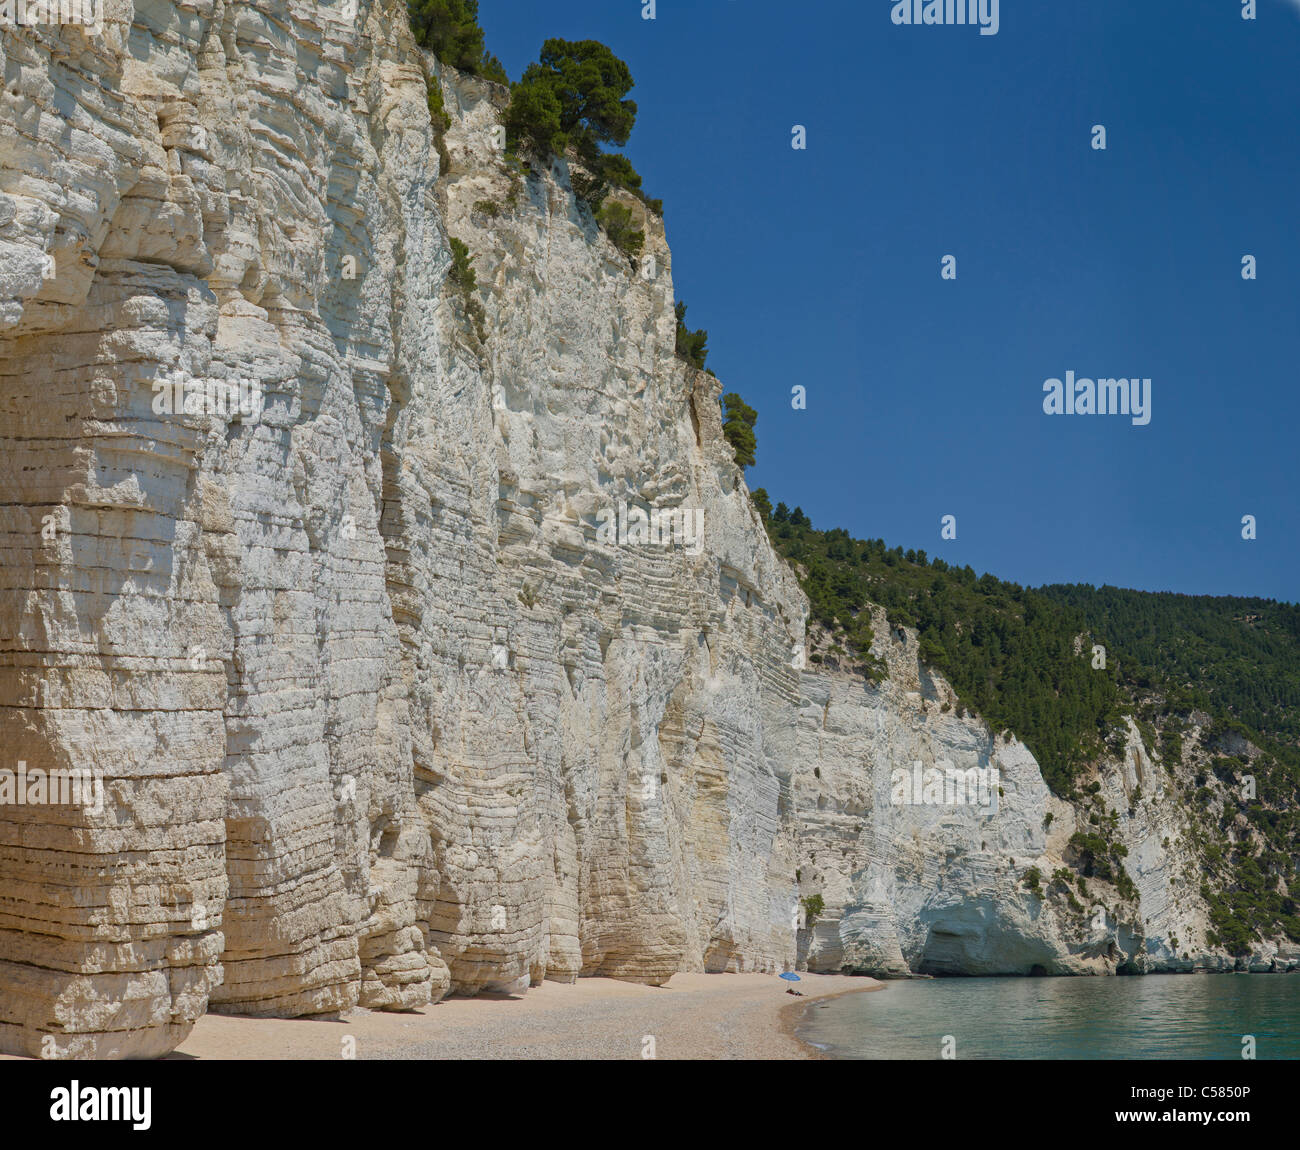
[(698, 1016)]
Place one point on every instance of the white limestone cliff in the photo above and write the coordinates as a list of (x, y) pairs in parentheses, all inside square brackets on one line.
[(378, 714)]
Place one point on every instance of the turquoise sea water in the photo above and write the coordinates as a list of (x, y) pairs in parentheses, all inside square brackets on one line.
[(1191, 1016)]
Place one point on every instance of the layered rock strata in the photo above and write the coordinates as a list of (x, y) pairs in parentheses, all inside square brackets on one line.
[(307, 560)]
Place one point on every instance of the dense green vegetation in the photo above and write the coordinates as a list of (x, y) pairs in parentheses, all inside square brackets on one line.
[(1022, 659), (813, 907), (462, 272), (438, 120), (1100, 855), (738, 426), (618, 224), (692, 346), (450, 30), (465, 280), (1008, 652), (575, 97), (1033, 879), (1237, 660), (574, 101), (1235, 655), (593, 182)]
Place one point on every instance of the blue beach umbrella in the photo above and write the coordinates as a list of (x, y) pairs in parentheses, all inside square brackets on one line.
[(790, 976)]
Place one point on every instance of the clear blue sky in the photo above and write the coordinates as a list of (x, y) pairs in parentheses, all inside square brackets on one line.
[(822, 267)]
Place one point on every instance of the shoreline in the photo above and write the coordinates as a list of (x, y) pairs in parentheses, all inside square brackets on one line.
[(793, 1013), (693, 1016)]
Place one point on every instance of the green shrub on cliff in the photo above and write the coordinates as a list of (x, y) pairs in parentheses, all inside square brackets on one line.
[(462, 272), (813, 906), (692, 346), (617, 171), (465, 280), (575, 94), (617, 222), (450, 30), (739, 428), (575, 98), (533, 119), (439, 120)]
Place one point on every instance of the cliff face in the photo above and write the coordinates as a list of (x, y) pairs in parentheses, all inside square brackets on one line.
[(375, 712), (911, 886), (310, 566)]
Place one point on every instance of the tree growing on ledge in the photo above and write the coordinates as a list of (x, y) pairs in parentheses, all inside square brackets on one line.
[(739, 428), (692, 346), (586, 85), (813, 906), (450, 30), (575, 96), (618, 224)]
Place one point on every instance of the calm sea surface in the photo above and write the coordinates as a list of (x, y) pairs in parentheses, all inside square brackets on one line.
[(1200, 1016)]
